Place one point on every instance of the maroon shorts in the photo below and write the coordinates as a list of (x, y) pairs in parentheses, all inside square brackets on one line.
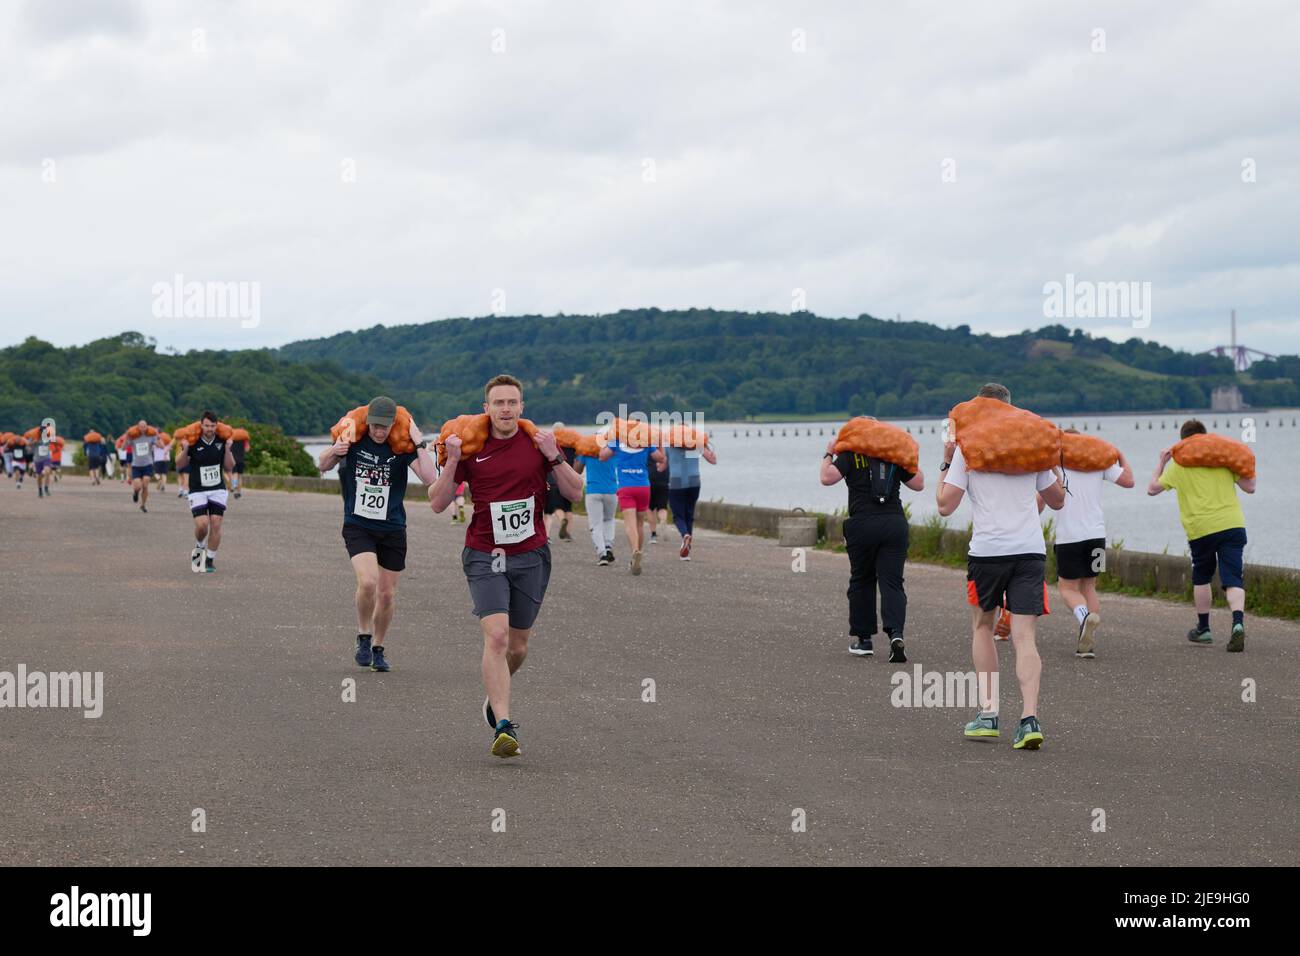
[(634, 498)]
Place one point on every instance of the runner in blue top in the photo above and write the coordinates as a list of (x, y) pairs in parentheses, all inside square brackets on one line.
[(631, 466), (602, 504), (684, 490)]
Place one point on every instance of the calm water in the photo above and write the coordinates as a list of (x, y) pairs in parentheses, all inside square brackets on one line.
[(776, 465)]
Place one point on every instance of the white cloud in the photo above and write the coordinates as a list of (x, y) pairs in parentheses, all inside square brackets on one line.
[(522, 170)]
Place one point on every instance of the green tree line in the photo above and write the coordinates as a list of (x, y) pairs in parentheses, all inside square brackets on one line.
[(731, 365), (112, 383)]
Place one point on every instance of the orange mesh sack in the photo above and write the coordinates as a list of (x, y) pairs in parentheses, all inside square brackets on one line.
[(567, 438), (636, 434), (866, 436), (1215, 451), (588, 446), (1087, 452), (33, 434), (91, 437), (995, 436), (683, 436), (164, 439), (473, 431), (399, 436), (134, 431), (191, 432), (241, 434)]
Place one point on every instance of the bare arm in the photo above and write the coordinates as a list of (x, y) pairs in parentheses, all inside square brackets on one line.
[(566, 479), (709, 455), (1125, 480), (229, 464), (1154, 487), (333, 455), (1054, 495), (1247, 485), (829, 473), (443, 491), (183, 455), (947, 497), (917, 481), (424, 465)]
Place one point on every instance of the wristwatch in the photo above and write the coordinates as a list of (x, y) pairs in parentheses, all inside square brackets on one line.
[(558, 460), (828, 455), (422, 443), (945, 466)]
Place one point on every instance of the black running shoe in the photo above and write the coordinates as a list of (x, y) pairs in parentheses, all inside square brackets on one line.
[(861, 647), (1198, 636), (609, 555), (896, 654), (135, 496), (488, 714)]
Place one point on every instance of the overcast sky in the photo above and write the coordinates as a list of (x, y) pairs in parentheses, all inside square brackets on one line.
[(403, 162)]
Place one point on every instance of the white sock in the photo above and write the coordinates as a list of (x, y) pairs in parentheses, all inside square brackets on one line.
[(212, 552), (1081, 612)]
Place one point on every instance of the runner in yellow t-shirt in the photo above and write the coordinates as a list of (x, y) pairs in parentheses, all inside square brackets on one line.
[(1216, 534)]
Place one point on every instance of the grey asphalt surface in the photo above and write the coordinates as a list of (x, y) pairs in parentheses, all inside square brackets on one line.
[(224, 692)]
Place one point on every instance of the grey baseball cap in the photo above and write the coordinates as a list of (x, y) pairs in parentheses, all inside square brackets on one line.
[(382, 411)]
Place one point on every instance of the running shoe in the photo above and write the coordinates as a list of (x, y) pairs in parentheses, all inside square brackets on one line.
[(861, 647), (897, 654), (488, 714), (609, 555), (1088, 636), (506, 743), (1198, 636), (144, 510), (685, 552), (983, 726), (1029, 736), (196, 560), (210, 565), (636, 562), (564, 530), (377, 660), (364, 655), (135, 496), (603, 560), (654, 537), (180, 494), (1237, 642), (1002, 629)]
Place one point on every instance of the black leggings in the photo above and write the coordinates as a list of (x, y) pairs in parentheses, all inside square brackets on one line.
[(877, 546), (682, 502)]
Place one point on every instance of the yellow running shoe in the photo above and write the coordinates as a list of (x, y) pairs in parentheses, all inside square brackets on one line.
[(506, 743)]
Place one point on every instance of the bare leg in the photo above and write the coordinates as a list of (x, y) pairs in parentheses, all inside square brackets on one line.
[(385, 604), (366, 567), (985, 655), (496, 670), (1029, 666)]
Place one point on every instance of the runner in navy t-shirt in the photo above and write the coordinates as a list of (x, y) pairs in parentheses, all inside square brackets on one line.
[(372, 478), (506, 559)]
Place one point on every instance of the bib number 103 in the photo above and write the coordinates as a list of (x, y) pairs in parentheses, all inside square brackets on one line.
[(512, 521)]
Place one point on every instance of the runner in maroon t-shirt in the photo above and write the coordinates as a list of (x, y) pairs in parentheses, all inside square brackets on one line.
[(506, 559)]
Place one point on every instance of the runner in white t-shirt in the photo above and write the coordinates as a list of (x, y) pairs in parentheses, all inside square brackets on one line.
[(1081, 545), (1008, 557)]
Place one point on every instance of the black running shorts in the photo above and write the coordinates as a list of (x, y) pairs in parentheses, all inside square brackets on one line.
[(388, 546)]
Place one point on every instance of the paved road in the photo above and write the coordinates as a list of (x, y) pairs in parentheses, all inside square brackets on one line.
[(223, 692)]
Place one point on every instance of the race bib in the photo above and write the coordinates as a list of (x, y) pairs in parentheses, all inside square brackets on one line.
[(141, 449), (512, 521), (209, 475), (371, 501), (42, 451), (18, 454)]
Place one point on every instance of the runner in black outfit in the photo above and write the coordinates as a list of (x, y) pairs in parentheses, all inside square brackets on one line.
[(876, 536)]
